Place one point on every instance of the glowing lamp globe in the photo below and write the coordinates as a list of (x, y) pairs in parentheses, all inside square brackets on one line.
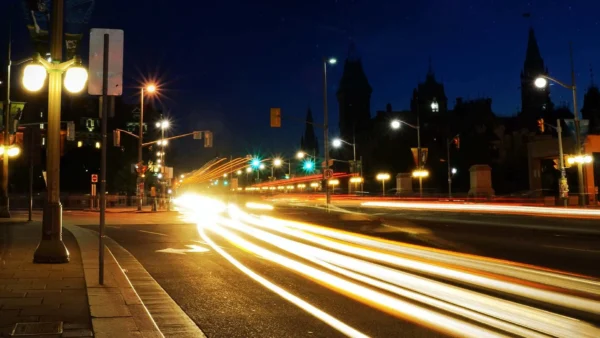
[(34, 76), (75, 79)]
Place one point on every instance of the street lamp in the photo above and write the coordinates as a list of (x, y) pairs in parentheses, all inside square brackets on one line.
[(542, 82), (356, 180), (338, 143), (51, 248), (396, 124), (383, 177), (239, 172), (331, 61), (150, 89), (300, 155)]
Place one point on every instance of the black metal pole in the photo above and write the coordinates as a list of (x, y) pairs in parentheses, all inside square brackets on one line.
[(103, 159), (31, 140)]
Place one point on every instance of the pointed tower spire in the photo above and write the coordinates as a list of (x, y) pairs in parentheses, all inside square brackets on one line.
[(534, 102), (592, 76), (533, 57)]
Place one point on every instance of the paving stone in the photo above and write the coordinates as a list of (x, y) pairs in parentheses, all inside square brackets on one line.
[(10, 294), (59, 298), (42, 293), (110, 311), (130, 334), (65, 274), (66, 284), (32, 274), (130, 296), (42, 310), (103, 291), (18, 303), (41, 285), (110, 298), (77, 326), (114, 325), (77, 333)]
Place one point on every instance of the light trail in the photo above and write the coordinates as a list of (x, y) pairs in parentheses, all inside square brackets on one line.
[(507, 209), (490, 265), (370, 271), (525, 316), (325, 317)]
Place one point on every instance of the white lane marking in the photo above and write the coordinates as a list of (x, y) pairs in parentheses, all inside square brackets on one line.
[(192, 248), (153, 233), (574, 249)]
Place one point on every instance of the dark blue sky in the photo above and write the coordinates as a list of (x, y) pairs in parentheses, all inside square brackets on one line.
[(223, 64)]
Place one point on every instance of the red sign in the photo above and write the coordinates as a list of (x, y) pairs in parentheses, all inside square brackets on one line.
[(327, 174), (94, 178)]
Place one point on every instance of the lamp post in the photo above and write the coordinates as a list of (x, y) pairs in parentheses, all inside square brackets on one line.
[(338, 143), (276, 164), (326, 61), (396, 124), (383, 177), (51, 248), (163, 125), (542, 82), (140, 188)]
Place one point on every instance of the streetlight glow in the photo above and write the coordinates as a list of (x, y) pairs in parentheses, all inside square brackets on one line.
[(34, 76), (356, 180), (332, 61), (420, 173), (75, 79), (395, 124), (300, 154), (261, 166), (239, 172), (334, 182), (541, 82), (248, 170), (277, 162), (150, 88), (454, 171), (383, 177), (337, 143)]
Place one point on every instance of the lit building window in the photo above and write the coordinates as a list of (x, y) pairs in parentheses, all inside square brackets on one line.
[(435, 107), (98, 145), (79, 144), (43, 141), (42, 126)]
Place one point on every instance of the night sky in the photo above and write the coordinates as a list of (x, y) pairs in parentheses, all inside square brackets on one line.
[(223, 64)]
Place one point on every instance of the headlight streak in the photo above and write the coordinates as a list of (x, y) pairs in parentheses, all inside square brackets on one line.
[(488, 310), (321, 315), (392, 305), (540, 276), (259, 206), (565, 300), (511, 209), (477, 303)]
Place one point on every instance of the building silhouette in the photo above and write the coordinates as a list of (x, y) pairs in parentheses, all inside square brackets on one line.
[(535, 102), (309, 142)]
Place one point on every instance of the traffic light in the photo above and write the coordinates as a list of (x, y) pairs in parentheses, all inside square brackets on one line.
[(457, 141), (208, 139), (70, 131), (117, 138), (275, 117), (197, 135), (540, 123)]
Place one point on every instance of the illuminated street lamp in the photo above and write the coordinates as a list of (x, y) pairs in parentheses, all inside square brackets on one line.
[(580, 159), (51, 248), (314, 185), (276, 164), (13, 151), (338, 143), (356, 180), (542, 82), (326, 61), (300, 155), (396, 124), (239, 172), (334, 182), (420, 173), (383, 177), (150, 89), (261, 166), (454, 171), (248, 170)]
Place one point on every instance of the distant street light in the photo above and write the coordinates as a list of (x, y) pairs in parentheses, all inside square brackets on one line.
[(383, 177), (454, 171), (331, 61), (13, 151), (248, 170), (164, 124), (337, 143), (261, 166), (277, 162), (541, 82), (396, 125), (239, 172), (300, 155)]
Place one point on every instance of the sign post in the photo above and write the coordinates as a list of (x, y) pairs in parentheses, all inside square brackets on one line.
[(106, 78)]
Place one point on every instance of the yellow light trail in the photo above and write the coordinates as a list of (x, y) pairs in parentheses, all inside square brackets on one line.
[(348, 263)]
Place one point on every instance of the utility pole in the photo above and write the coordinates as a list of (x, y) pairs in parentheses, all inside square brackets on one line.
[(449, 168), (326, 134), (562, 184), (580, 180), (140, 179), (4, 200)]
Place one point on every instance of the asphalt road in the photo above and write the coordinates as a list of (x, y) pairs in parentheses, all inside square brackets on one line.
[(225, 302), (543, 241)]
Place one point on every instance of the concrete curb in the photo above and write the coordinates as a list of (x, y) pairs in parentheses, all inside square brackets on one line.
[(115, 307), (170, 318)]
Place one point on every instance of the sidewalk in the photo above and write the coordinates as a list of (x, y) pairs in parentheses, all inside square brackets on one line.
[(66, 300), (47, 300)]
